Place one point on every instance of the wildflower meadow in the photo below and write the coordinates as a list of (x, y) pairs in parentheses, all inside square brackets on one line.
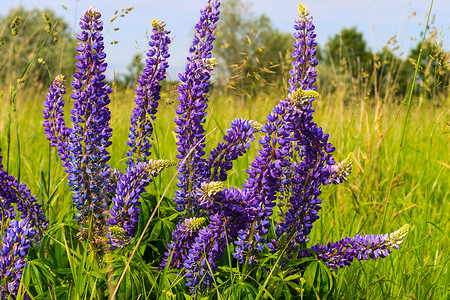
[(184, 191)]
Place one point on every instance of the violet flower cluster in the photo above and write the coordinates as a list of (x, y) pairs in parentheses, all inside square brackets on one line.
[(106, 200), (286, 177), (342, 253), (18, 231)]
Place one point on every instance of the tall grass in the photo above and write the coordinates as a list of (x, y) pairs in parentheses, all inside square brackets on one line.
[(419, 190)]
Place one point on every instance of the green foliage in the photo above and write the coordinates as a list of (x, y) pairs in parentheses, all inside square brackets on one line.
[(434, 66), (28, 29), (347, 51)]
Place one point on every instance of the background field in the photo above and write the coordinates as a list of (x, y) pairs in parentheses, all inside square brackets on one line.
[(419, 196)]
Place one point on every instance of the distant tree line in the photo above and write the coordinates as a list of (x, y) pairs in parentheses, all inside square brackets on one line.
[(253, 56)]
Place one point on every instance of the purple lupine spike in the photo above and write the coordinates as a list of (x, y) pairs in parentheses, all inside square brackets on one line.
[(112, 183), (226, 211), (89, 137), (16, 241), (303, 75), (218, 203), (183, 238), (236, 142), (147, 95), (340, 171), (362, 247), (310, 156), (290, 130), (204, 253), (124, 214), (55, 126), (265, 172), (191, 109), (310, 170), (13, 192)]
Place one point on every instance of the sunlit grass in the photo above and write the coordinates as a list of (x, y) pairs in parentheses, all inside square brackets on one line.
[(419, 192)]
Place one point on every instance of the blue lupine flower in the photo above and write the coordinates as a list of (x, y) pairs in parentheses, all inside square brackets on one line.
[(204, 253), (17, 235), (303, 74), (16, 240), (263, 182), (89, 136), (310, 152), (236, 142), (362, 247), (124, 213), (83, 148), (147, 95), (55, 126), (191, 109), (13, 193), (183, 239)]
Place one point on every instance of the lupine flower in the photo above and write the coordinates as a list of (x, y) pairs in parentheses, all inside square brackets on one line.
[(198, 175), (236, 142), (263, 183), (17, 235), (340, 171), (183, 237), (55, 126), (191, 109), (88, 139), (294, 162), (295, 149), (204, 253), (124, 213), (362, 247), (83, 148), (147, 95), (14, 193), (303, 73), (15, 243)]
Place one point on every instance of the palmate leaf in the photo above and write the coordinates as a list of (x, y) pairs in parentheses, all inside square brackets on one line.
[(59, 292), (320, 281), (37, 277), (138, 278), (159, 234)]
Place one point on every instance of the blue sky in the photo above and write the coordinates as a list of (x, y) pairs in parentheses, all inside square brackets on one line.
[(377, 19)]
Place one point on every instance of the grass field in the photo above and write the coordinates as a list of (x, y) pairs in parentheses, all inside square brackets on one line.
[(400, 175), (419, 191)]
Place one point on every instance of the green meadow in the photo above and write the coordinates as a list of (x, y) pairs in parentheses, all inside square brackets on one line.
[(376, 199), (400, 175)]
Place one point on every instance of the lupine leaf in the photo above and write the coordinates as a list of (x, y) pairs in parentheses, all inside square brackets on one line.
[(156, 231)]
